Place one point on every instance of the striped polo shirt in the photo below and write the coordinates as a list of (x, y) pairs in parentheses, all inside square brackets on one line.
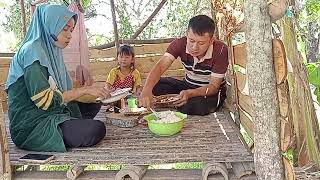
[(199, 71)]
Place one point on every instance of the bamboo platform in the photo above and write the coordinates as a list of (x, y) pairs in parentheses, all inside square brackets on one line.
[(151, 174), (212, 138)]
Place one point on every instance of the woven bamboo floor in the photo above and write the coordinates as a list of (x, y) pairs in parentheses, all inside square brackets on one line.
[(211, 138)]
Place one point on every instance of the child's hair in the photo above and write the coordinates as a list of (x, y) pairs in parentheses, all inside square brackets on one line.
[(125, 50)]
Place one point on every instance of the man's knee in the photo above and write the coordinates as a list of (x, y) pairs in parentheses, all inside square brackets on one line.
[(195, 106), (166, 85)]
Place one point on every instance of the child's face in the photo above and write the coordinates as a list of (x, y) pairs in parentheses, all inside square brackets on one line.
[(125, 60)]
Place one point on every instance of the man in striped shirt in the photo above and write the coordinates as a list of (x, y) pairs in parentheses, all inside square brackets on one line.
[(205, 62)]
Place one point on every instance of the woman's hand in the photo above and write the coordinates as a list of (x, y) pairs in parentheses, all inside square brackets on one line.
[(97, 92)]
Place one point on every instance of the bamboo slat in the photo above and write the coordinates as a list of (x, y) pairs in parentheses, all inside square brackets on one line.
[(212, 138), (239, 51), (134, 41), (246, 122), (241, 80), (7, 54), (279, 58), (101, 69), (245, 102), (4, 68), (139, 49)]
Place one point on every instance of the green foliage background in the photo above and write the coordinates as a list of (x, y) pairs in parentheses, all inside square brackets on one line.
[(314, 78)]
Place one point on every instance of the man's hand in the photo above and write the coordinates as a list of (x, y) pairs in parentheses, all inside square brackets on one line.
[(145, 99), (183, 98)]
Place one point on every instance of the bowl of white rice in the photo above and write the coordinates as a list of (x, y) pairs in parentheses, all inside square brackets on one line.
[(167, 123)]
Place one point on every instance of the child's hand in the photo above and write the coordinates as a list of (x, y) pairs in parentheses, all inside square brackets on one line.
[(138, 91)]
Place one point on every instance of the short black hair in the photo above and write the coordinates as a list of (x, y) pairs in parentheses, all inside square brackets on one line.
[(202, 24), (125, 50)]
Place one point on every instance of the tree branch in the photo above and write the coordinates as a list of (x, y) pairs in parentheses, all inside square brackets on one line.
[(136, 34), (114, 20)]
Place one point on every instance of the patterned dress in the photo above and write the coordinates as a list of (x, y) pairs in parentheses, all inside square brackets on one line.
[(118, 80)]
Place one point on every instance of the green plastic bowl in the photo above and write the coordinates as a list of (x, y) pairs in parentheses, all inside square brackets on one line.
[(165, 129)]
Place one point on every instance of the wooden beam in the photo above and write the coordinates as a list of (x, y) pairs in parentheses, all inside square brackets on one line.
[(114, 21), (134, 41), (7, 54), (136, 34), (139, 50)]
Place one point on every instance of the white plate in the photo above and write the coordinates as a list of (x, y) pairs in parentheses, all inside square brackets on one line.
[(120, 91), (116, 95)]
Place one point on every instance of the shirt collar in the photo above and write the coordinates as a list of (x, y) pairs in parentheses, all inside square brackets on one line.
[(208, 54)]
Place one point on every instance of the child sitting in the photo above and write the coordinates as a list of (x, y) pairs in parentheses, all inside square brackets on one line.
[(125, 75)]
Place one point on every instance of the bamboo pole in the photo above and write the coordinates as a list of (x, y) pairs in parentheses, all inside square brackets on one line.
[(114, 20), (136, 34)]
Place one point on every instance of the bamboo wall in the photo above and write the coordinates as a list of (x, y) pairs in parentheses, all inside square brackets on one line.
[(147, 55), (244, 101)]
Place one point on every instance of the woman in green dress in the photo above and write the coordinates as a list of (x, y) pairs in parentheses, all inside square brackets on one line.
[(43, 111)]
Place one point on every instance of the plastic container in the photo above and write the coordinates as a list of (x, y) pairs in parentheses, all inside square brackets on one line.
[(165, 129)]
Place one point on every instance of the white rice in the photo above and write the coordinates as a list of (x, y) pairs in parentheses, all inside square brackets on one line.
[(167, 117)]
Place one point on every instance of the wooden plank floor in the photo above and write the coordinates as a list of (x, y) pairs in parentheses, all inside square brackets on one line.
[(212, 138)]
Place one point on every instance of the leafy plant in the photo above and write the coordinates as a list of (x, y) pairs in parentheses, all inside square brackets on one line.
[(314, 77)]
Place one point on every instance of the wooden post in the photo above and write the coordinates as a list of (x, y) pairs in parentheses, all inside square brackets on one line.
[(262, 89), (114, 20), (136, 34), (23, 17)]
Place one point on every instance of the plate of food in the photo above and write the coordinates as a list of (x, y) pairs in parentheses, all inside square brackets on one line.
[(135, 111), (116, 95), (166, 100)]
